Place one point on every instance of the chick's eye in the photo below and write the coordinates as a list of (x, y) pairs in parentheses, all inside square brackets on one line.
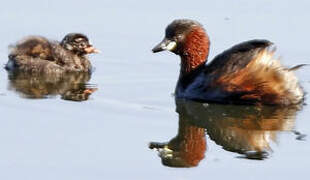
[(83, 44)]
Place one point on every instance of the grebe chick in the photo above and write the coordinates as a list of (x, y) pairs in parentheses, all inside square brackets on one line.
[(37, 54)]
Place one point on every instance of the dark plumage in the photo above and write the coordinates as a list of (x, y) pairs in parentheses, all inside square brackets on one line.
[(247, 73), (37, 54)]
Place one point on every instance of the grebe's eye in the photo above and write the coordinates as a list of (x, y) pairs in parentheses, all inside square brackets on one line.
[(177, 38)]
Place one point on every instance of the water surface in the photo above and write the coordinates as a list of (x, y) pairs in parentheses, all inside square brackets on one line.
[(106, 135)]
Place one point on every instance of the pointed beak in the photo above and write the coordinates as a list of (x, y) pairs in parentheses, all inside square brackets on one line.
[(165, 44), (90, 90), (91, 49)]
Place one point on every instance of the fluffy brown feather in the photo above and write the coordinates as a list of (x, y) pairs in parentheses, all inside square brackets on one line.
[(264, 80)]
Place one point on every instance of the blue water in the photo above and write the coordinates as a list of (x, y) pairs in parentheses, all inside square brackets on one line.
[(107, 136)]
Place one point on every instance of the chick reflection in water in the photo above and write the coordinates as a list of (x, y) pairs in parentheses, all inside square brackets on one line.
[(71, 86), (247, 130)]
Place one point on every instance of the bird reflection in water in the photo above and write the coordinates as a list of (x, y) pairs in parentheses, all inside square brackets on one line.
[(247, 130), (70, 86)]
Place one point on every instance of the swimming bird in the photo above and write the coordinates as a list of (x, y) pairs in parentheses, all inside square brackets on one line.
[(247, 73), (37, 54)]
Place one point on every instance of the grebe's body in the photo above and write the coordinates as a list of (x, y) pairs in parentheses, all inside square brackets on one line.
[(247, 73)]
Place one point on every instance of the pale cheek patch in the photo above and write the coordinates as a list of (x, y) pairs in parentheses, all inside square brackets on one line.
[(69, 47), (171, 46), (79, 39)]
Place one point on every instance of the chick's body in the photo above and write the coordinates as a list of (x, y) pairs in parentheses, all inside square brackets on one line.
[(38, 54)]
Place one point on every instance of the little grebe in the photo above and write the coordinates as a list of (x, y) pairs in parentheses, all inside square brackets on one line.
[(247, 73), (39, 55)]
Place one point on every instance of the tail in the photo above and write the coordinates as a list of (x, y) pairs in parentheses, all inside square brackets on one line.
[(266, 80), (280, 81)]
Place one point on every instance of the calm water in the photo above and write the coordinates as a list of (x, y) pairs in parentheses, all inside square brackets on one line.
[(59, 130)]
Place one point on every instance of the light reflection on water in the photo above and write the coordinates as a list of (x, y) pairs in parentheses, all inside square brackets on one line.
[(247, 130)]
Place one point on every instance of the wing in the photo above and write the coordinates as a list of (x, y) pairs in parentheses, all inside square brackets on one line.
[(233, 71), (33, 46), (237, 57), (249, 73)]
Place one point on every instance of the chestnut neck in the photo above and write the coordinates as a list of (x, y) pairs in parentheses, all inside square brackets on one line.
[(195, 50)]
